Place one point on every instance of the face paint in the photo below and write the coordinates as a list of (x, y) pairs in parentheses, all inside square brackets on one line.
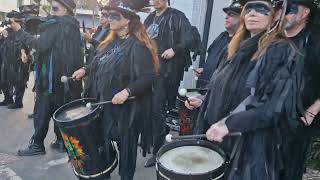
[(105, 15), (114, 17), (260, 8), (55, 8), (292, 9)]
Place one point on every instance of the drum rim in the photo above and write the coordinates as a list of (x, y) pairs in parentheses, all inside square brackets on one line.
[(59, 110), (190, 142)]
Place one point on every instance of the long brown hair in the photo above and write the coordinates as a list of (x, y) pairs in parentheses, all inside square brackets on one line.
[(242, 32), (137, 29)]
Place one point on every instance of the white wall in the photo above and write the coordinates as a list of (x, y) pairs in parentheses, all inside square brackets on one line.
[(8, 5)]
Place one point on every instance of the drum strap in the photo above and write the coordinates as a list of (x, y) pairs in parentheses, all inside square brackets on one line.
[(234, 158)]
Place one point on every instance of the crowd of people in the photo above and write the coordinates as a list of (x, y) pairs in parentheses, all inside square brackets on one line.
[(261, 76)]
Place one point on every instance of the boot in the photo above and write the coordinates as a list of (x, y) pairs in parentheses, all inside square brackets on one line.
[(58, 145), (6, 102), (31, 116), (127, 177), (32, 149), (14, 106)]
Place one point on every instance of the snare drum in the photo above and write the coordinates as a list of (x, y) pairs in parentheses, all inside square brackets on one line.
[(83, 138), (190, 160)]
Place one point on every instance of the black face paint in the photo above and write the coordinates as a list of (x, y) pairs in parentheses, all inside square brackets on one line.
[(292, 9), (260, 8), (105, 15), (55, 8), (114, 17)]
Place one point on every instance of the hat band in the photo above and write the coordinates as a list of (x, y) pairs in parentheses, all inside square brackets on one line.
[(126, 8)]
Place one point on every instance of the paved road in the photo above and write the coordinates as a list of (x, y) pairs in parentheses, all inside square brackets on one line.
[(15, 132)]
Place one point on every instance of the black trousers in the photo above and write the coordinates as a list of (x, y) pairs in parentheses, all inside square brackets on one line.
[(164, 98), (7, 92), (45, 107), (19, 93)]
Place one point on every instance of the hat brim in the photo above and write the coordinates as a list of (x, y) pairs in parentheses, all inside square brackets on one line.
[(244, 2), (233, 9), (124, 12), (312, 6)]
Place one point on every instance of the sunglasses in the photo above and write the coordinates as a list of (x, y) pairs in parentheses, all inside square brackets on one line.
[(260, 8), (292, 9), (232, 14), (114, 17), (55, 8)]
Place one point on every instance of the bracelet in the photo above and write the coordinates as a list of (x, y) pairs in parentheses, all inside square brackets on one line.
[(129, 91), (310, 113)]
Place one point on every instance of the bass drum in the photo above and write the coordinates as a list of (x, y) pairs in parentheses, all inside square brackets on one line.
[(83, 138), (190, 160)]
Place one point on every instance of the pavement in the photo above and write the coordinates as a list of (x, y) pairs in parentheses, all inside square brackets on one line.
[(15, 132)]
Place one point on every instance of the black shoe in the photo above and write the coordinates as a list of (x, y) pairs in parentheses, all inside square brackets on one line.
[(150, 162), (14, 106), (58, 145), (31, 116), (126, 177), (6, 102), (32, 150)]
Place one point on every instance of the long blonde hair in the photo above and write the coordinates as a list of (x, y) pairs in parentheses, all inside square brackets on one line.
[(137, 29), (242, 32)]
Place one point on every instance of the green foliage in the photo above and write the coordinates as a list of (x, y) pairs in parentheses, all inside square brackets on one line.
[(314, 157)]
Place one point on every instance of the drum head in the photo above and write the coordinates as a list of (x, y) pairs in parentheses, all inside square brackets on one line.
[(75, 111), (191, 157)]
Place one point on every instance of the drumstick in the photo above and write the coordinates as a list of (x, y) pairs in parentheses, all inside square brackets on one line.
[(65, 79), (194, 70), (170, 138), (90, 105), (183, 93), (203, 80)]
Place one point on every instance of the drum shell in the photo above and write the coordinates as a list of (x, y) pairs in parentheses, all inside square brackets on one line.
[(165, 174), (87, 134)]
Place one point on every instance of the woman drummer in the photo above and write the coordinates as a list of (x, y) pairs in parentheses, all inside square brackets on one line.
[(124, 67), (228, 83), (271, 101)]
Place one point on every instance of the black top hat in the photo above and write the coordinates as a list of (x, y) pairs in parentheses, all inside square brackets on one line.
[(243, 2), (69, 4), (128, 8), (234, 7)]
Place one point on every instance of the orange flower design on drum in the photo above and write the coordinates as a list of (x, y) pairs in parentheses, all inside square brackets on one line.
[(75, 152)]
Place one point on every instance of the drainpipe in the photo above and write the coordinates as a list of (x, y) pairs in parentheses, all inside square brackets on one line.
[(206, 32)]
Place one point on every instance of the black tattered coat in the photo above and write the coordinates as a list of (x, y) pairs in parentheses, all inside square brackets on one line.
[(124, 64), (58, 53), (259, 155)]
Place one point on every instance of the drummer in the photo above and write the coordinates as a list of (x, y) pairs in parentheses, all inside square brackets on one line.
[(125, 66), (230, 86), (227, 85), (271, 103)]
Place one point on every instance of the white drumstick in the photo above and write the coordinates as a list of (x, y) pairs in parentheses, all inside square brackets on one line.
[(183, 92), (90, 105), (65, 79)]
